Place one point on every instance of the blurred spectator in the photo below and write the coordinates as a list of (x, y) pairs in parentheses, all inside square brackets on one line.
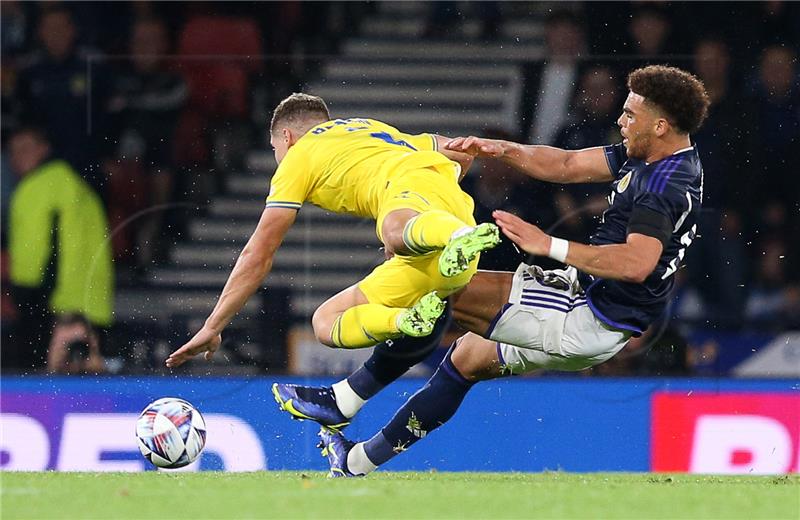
[(773, 303), (219, 56), (607, 28), (495, 185), (776, 136), (717, 262), (550, 85), (649, 33), (8, 311), (14, 28), (703, 357), (7, 183), (446, 19), (60, 255), (62, 89), (660, 351), (593, 124), (74, 347), (769, 23), (14, 33), (221, 53), (9, 108), (594, 118), (105, 25), (145, 104), (687, 307), (719, 138)]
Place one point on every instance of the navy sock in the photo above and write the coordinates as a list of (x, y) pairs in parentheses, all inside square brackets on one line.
[(391, 359), (432, 406)]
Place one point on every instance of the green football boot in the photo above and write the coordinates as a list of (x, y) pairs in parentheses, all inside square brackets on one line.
[(462, 249), (420, 319)]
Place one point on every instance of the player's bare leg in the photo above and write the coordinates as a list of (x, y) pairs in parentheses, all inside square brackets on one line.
[(392, 231), (475, 306), (326, 314), (476, 358)]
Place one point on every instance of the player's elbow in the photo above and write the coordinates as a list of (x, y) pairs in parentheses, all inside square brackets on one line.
[(635, 277), (636, 272)]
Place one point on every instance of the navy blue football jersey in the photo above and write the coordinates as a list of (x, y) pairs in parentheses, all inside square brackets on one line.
[(661, 199)]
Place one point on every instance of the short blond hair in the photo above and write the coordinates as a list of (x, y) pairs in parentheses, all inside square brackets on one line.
[(300, 108)]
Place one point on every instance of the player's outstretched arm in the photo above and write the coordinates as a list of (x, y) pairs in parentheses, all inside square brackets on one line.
[(632, 261), (463, 159), (253, 264), (540, 162)]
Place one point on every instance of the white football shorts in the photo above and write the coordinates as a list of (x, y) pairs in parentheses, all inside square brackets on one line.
[(547, 324)]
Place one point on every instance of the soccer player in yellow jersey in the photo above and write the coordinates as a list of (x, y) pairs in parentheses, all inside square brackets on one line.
[(365, 168)]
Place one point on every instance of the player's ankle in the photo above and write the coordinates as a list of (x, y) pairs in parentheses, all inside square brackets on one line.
[(358, 462), (347, 400)]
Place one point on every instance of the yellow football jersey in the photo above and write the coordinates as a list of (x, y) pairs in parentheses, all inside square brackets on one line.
[(344, 165)]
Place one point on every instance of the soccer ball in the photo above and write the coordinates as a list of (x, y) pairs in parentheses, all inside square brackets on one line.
[(171, 433)]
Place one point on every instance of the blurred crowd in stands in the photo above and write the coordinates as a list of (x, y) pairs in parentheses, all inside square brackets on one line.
[(129, 107)]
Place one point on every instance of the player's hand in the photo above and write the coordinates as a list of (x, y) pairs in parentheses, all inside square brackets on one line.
[(476, 146), (528, 237), (206, 340)]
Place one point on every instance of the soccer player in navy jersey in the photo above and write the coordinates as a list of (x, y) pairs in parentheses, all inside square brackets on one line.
[(570, 319)]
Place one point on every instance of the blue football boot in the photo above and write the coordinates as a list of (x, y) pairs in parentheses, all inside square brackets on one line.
[(313, 403), (336, 447)]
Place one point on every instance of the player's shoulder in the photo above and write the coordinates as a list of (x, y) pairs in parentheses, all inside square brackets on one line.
[(296, 158), (678, 170), (378, 124)]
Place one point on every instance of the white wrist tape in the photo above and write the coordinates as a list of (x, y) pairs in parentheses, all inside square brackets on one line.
[(558, 249)]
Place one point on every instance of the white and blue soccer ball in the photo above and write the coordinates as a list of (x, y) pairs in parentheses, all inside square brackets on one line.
[(171, 433)]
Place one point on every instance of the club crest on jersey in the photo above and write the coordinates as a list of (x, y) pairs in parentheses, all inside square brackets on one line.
[(622, 185)]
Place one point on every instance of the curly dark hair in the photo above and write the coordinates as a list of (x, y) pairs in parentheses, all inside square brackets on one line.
[(679, 94), (298, 107)]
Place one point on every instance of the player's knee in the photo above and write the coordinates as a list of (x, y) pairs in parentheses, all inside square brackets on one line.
[(322, 324), (578, 357), (474, 359), (392, 229), (392, 237)]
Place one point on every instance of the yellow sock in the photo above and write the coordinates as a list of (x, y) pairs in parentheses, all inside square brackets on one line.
[(365, 326), (430, 231)]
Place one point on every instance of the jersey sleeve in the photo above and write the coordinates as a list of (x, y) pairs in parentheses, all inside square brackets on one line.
[(615, 157), (291, 184), (658, 209)]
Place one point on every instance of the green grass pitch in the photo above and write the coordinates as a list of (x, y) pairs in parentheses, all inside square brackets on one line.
[(154, 495)]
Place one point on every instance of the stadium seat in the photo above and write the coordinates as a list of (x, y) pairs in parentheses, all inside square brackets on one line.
[(217, 56)]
